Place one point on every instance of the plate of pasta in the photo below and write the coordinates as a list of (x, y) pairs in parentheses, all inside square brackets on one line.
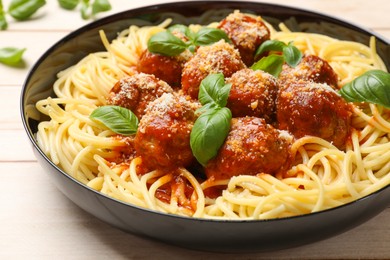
[(219, 126)]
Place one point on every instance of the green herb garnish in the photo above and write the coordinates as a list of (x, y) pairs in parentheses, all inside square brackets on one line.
[(118, 119), (212, 126), (273, 63), (165, 43), (11, 56), (3, 20), (372, 86), (89, 10), (68, 4), (24, 9)]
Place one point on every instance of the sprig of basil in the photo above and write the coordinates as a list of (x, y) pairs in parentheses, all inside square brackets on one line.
[(3, 20), (212, 126), (11, 56), (166, 43), (118, 119), (179, 27), (99, 6), (270, 45), (292, 55), (274, 62), (24, 9), (214, 91), (68, 4), (372, 86), (206, 36), (209, 132), (20, 10), (89, 10)]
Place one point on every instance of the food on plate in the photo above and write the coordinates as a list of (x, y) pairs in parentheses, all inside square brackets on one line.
[(246, 32), (310, 108), (218, 57), (230, 120), (253, 93)]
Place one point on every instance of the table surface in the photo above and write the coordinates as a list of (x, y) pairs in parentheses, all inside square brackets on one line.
[(38, 222)]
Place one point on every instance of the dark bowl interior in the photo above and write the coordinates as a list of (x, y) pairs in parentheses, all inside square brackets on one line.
[(201, 234)]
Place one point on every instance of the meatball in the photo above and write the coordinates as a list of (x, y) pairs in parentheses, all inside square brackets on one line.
[(251, 147), (218, 57), (136, 91), (253, 93), (309, 108), (246, 32), (311, 68), (163, 136), (163, 67)]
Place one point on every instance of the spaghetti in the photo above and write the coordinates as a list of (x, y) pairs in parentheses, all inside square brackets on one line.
[(322, 176)]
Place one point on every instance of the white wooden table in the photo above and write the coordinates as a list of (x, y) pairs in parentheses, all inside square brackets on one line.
[(38, 222)]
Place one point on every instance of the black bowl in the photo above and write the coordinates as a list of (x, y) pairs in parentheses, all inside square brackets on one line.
[(201, 234)]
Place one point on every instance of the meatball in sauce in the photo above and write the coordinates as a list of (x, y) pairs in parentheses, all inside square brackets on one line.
[(246, 32), (136, 91), (251, 147), (163, 136), (309, 108), (218, 57), (163, 67), (311, 68), (253, 93)]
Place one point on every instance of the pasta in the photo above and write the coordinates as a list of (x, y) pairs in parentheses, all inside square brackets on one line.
[(322, 176)]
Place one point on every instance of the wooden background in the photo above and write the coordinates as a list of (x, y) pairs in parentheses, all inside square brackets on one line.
[(38, 222)]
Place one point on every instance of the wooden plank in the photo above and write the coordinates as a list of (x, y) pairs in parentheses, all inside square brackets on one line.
[(15, 146), (10, 117)]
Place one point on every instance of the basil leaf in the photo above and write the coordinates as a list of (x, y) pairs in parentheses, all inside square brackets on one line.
[(292, 55), (206, 107), (192, 48), (207, 36), (166, 43), (99, 6), (191, 36), (178, 27), (213, 90), (272, 64), (118, 119), (209, 132), (85, 9), (3, 21), (68, 4), (270, 45), (24, 9), (372, 86), (212, 126), (11, 56)]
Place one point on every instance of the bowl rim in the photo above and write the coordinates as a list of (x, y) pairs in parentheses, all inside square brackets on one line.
[(156, 7)]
